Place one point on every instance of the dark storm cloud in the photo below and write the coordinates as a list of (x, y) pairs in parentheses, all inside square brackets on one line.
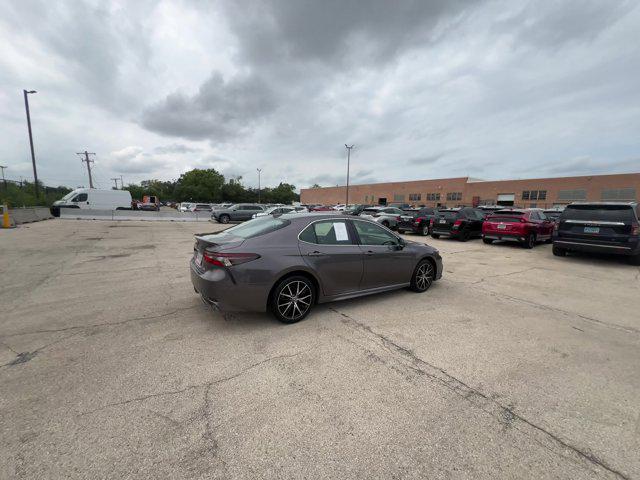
[(219, 111), (92, 44), (311, 30)]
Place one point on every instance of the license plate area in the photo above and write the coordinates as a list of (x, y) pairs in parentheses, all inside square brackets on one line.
[(442, 221), (502, 226), (591, 229)]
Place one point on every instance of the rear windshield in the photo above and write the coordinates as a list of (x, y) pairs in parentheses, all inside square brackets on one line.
[(257, 227), (371, 210), (450, 215), (610, 213), (512, 219)]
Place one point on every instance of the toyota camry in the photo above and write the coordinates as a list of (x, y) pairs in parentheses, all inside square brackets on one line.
[(289, 263)]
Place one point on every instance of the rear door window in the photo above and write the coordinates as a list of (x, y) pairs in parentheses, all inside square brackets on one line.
[(327, 232), (595, 213)]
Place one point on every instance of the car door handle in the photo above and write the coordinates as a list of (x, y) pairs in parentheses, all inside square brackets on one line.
[(315, 254), (369, 252)]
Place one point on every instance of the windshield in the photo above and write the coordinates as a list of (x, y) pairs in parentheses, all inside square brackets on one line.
[(610, 213), (513, 219), (68, 195), (449, 215), (258, 226)]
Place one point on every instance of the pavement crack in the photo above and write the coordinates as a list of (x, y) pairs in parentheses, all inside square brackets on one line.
[(103, 324), (206, 385), (505, 274), (504, 414)]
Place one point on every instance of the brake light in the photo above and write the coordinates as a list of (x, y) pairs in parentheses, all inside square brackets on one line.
[(431, 221), (398, 218), (635, 229), (224, 259), (457, 224)]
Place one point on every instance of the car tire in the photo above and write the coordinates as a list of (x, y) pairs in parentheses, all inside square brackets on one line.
[(435, 235), (224, 218), (464, 236), (292, 311), (488, 241), (559, 252), (423, 276), (635, 260), (424, 231), (530, 241)]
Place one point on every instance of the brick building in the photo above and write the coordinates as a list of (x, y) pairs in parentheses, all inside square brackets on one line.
[(534, 192)]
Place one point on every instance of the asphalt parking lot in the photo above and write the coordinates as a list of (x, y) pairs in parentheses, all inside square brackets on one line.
[(516, 364)]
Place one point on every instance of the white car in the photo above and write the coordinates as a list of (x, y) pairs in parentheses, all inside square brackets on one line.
[(184, 207), (275, 211)]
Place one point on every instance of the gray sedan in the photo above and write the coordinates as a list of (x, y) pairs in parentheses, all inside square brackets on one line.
[(288, 263), (238, 212), (387, 216)]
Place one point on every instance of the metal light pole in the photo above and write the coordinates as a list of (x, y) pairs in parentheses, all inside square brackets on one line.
[(33, 155), (348, 162), (2, 167), (259, 170)]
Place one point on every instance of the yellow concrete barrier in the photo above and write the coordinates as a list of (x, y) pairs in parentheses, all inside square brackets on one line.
[(6, 223)]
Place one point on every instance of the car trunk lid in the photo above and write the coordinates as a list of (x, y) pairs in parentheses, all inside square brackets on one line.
[(601, 223)]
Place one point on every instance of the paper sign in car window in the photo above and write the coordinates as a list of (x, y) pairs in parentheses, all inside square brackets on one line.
[(341, 231)]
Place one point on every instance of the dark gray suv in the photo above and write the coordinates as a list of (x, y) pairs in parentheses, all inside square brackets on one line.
[(236, 213), (288, 263)]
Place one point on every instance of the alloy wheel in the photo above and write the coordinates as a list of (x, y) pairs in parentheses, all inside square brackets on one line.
[(294, 300), (424, 276)]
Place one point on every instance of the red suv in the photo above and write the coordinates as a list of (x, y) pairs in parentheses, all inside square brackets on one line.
[(526, 226)]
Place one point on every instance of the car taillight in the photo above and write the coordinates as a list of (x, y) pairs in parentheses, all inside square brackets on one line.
[(398, 218), (431, 222), (635, 229), (224, 259), (457, 224)]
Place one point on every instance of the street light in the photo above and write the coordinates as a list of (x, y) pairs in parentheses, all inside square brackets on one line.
[(259, 170), (348, 162), (33, 155)]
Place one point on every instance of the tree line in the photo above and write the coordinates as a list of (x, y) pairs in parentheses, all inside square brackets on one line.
[(22, 194), (210, 186)]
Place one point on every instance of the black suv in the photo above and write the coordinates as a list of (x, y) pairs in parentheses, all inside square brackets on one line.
[(599, 227), (417, 220), (461, 223)]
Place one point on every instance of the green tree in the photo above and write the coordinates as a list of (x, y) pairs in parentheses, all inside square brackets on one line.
[(200, 185)]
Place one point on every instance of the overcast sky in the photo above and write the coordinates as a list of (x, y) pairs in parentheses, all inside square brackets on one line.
[(424, 89)]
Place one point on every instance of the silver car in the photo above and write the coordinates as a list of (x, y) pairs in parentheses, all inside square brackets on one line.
[(288, 263), (387, 216)]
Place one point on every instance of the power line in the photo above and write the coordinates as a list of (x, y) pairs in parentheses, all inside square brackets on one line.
[(89, 162)]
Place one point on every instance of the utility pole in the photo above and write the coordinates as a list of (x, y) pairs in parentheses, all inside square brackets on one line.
[(89, 162), (115, 180), (3, 180), (348, 162), (121, 183), (259, 170), (33, 155)]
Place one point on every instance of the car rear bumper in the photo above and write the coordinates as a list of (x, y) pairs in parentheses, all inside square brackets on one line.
[(591, 247), (507, 237), (218, 289), (451, 233)]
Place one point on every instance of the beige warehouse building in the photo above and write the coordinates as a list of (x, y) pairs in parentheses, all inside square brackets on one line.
[(450, 192)]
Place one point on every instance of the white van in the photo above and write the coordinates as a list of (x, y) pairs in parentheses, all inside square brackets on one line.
[(93, 199)]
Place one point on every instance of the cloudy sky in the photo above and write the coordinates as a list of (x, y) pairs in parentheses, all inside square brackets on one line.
[(424, 88)]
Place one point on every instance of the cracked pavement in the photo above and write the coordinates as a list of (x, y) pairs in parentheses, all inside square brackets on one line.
[(516, 365)]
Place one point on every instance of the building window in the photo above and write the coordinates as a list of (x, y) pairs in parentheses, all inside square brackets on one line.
[(415, 196), (618, 194), (398, 198), (571, 195), (452, 196), (433, 197), (534, 195)]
